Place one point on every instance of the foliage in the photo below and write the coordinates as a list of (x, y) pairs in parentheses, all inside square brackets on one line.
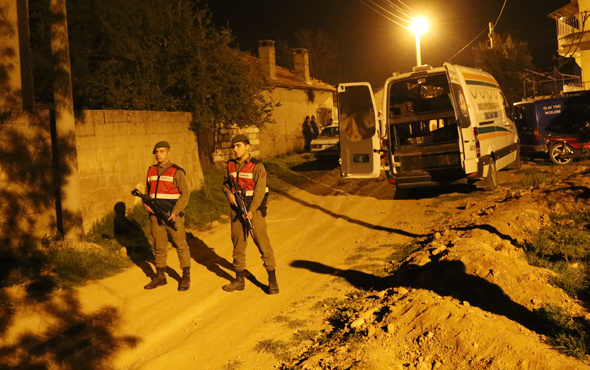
[(209, 203), (323, 55), (163, 55), (507, 61)]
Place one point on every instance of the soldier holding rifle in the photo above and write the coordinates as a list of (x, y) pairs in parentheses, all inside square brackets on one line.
[(168, 188), (249, 181)]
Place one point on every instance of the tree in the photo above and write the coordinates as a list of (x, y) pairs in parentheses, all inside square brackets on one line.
[(507, 61), (163, 55), (322, 53)]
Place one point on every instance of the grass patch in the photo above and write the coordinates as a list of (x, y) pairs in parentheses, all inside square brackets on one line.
[(564, 247), (74, 266), (305, 334), (275, 347), (533, 178), (399, 254), (569, 336)]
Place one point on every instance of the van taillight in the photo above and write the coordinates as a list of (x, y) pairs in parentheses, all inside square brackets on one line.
[(536, 132), (476, 135)]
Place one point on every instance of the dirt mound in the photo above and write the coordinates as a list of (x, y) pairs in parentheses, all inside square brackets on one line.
[(466, 298)]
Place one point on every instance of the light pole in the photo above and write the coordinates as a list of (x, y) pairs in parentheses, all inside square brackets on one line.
[(419, 26)]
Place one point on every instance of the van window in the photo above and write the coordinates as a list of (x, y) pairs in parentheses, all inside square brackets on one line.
[(418, 95)]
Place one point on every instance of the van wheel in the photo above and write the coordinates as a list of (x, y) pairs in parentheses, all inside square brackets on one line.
[(491, 181), (557, 149)]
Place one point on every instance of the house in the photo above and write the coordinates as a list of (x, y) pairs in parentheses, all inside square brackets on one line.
[(573, 37), (297, 95)]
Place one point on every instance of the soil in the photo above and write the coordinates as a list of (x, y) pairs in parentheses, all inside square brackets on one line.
[(464, 297)]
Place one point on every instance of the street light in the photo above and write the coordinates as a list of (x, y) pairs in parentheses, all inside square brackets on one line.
[(419, 26)]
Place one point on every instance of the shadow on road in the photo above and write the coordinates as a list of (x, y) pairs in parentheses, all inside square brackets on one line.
[(129, 234), (75, 340), (446, 278), (206, 256), (349, 219)]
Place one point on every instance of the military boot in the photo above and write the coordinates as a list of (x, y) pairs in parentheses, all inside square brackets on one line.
[(237, 284), (159, 280), (185, 283), (273, 287)]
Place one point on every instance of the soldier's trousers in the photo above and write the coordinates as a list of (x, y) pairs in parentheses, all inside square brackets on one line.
[(260, 237), (160, 233)]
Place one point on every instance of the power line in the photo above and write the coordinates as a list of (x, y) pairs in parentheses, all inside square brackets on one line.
[(398, 8), (475, 38), (469, 43), (405, 20), (499, 15), (385, 16)]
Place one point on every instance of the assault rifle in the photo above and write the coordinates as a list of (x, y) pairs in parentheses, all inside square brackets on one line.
[(160, 213), (242, 209)]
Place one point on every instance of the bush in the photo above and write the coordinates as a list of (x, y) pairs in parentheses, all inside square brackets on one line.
[(75, 266)]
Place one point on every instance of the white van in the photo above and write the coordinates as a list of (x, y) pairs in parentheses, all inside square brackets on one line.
[(439, 126)]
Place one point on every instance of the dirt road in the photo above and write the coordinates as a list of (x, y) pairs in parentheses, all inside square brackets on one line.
[(330, 238)]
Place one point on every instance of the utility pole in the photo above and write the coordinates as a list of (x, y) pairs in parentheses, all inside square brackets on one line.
[(491, 34), (69, 208)]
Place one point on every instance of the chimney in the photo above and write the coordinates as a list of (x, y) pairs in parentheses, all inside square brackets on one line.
[(266, 54), (301, 62)]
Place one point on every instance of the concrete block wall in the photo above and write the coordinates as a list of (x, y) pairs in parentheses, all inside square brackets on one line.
[(115, 151)]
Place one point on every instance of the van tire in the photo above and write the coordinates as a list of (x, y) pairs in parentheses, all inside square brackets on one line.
[(491, 180), (560, 148)]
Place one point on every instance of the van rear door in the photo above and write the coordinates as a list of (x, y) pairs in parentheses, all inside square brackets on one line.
[(359, 137), (467, 138)]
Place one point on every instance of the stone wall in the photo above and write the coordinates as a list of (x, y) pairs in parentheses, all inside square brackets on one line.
[(284, 135), (115, 151)]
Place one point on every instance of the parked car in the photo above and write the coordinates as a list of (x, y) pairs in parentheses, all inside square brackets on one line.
[(558, 126), (327, 144)]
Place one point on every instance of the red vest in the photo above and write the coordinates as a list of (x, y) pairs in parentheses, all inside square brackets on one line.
[(245, 179), (161, 188)]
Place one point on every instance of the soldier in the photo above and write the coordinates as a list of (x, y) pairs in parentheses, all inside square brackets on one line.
[(167, 185), (250, 176)]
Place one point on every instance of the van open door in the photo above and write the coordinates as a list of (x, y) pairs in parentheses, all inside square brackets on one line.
[(359, 137), (467, 144)]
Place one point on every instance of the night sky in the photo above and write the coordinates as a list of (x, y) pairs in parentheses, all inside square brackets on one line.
[(371, 47)]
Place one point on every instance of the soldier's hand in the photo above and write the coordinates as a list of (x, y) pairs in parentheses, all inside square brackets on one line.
[(147, 208), (232, 199), (250, 215), (172, 217)]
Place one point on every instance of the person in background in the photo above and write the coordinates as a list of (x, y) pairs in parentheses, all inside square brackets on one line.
[(314, 127), (307, 133)]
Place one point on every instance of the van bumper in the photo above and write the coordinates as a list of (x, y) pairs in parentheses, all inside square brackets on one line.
[(417, 179)]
